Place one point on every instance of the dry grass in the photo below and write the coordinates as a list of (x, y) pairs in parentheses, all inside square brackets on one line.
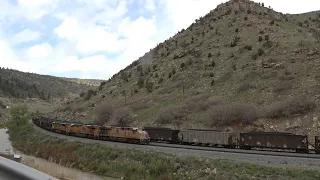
[(58, 171)]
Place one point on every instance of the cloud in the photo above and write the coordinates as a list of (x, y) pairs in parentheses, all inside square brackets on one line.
[(97, 38), (24, 36)]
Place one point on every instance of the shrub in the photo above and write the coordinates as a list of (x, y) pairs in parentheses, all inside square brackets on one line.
[(160, 81), (122, 116), (212, 82), (266, 37), (260, 38), (213, 63), (171, 114), (140, 82), (104, 113), (174, 71), (89, 94), (139, 68), (149, 86), (221, 115), (289, 107), (182, 65), (209, 55), (248, 47), (254, 56), (200, 102), (271, 23), (260, 52), (103, 83)]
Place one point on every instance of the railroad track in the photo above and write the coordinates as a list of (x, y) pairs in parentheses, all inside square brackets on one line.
[(190, 147)]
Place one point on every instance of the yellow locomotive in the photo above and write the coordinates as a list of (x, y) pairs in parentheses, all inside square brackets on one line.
[(109, 133)]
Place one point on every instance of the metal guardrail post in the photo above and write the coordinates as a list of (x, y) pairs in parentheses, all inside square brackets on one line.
[(13, 170)]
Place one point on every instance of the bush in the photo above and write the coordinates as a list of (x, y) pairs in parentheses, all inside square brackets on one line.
[(248, 47), (139, 68), (212, 82), (123, 116), (260, 38), (222, 115), (149, 86), (182, 65), (172, 114), (289, 107), (104, 113), (140, 82), (271, 23), (260, 52), (254, 56), (200, 102), (89, 94)]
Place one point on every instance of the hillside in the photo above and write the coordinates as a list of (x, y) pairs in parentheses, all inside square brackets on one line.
[(21, 85), (240, 67)]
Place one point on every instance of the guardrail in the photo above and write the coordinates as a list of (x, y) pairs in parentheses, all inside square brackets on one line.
[(16, 171)]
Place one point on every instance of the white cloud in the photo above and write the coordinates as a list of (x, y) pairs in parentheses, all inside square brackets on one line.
[(43, 50), (98, 36), (26, 35)]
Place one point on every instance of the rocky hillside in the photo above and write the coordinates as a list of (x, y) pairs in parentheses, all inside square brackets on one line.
[(21, 85), (241, 66)]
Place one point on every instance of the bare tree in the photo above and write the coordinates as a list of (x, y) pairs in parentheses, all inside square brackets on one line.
[(104, 113), (123, 116)]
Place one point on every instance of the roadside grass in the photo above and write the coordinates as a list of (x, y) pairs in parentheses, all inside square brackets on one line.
[(136, 164)]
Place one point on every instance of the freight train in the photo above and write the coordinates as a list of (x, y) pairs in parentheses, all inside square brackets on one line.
[(247, 140)]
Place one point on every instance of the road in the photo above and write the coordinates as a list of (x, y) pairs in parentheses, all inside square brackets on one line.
[(269, 160)]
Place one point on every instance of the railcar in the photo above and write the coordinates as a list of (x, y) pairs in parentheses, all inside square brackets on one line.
[(274, 140), (162, 134), (208, 137)]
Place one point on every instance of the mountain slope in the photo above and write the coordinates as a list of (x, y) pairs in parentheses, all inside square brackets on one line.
[(240, 66), (22, 85)]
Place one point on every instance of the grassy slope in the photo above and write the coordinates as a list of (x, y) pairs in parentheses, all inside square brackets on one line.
[(207, 58), (135, 164)]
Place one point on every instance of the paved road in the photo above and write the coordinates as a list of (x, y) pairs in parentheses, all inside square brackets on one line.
[(270, 160)]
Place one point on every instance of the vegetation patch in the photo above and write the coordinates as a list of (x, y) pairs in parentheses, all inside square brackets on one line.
[(290, 107), (232, 113)]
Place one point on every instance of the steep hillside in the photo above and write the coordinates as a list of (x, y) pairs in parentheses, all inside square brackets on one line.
[(241, 67)]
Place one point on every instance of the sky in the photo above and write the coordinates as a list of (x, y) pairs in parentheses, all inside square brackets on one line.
[(97, 38)]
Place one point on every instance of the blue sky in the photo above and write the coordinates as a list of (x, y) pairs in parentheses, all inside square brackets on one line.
[(97, 38)]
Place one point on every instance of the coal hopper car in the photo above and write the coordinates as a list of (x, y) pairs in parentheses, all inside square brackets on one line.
[(274, 140)]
